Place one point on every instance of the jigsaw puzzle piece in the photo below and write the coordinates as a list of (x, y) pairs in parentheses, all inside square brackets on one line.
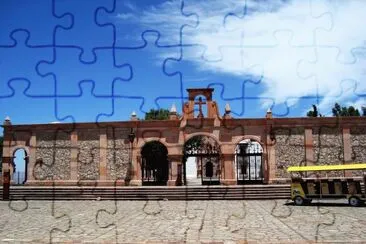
[(328, 147), (41, 217), (15, 15), (148, 16), (85, 34), (336, 82), (270, 79), (53, 155), (300, 18), (242, 25), (145, 66), (63, 223), (207, 76), (300, 106), (344, 35), (37, 110), (88, 156), (244, 97), (11, 69), (122, 109), (70, 71), (67, 107)]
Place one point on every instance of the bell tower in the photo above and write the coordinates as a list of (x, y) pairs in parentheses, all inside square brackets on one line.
[(211, 106)]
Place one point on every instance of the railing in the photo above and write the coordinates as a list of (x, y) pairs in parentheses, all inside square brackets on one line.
[(18, 178)]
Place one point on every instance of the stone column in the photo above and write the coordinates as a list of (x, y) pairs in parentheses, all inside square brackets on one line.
[(103, 144), (6, 149), (74, 155), (173, 174), (229, 176), (136, 168), (271, 160), (309, 147), (6, 176), (6, 161), (32, 157), (175, 161), (347, 150)]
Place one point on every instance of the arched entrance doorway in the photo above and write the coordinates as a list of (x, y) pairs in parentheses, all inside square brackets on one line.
[(204, 153), (20, 167), (154, 165), (248, 161)]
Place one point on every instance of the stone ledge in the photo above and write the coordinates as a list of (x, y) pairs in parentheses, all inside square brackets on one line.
[(228, 182), (280, 181), (172, 183), (75, 183)]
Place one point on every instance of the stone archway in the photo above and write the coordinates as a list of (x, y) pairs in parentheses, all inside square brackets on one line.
[(249, 168), (19, 166), (154, 164), (207, 156)]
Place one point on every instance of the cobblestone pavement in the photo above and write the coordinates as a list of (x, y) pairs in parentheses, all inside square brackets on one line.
[(271, 221)]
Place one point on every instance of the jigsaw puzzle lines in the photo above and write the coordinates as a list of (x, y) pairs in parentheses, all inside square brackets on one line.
[(64, 41)]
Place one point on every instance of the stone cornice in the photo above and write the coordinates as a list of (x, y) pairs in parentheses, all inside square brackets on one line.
[(229, 123)]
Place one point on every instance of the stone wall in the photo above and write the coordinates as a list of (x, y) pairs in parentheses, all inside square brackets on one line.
[(53, 156), (328, 147), (290, 150), (358, 144), (118, 153), (358, 147), (88, 154)]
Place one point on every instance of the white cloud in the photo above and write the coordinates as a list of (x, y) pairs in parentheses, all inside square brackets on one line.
[(125, 16), (276, 39)]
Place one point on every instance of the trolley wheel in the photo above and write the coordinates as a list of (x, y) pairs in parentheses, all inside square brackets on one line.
[(354, 201), (299, 201)]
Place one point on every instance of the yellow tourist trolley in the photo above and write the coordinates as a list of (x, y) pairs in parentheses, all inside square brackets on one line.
[(303, 190)]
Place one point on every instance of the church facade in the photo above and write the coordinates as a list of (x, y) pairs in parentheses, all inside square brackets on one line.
[(225, 150)]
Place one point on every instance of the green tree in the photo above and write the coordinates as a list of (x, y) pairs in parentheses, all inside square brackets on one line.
[(352, 111), (337, 110), (314, 112), (363, 111), (157, 114)]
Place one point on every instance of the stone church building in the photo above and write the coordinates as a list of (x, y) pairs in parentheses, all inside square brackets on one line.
[(225, 150)]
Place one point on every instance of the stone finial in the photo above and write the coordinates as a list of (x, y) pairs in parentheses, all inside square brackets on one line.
[(133, 116), (269, 113), (173, 112), (173, 109), (7, 121), (227, 111), (227, 108)]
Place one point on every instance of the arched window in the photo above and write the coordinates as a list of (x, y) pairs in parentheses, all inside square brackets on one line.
[(20, 165)]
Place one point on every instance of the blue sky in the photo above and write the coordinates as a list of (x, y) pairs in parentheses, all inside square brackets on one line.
[(100, 60)]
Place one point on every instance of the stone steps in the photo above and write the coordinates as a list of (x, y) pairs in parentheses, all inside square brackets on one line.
[(151, 193)]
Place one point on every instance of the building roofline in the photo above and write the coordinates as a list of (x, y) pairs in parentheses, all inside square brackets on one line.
[(276, 122)]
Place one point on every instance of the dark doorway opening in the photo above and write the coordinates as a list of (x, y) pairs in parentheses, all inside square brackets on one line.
[(206, 154), (248, 160), (154, 165)]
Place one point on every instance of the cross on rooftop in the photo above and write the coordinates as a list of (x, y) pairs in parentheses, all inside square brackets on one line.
[(200, 103)]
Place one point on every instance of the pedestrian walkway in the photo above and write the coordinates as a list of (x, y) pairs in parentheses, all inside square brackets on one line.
[(271, 221)]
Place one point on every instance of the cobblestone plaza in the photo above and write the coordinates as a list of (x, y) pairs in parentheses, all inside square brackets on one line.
[(271, 221)]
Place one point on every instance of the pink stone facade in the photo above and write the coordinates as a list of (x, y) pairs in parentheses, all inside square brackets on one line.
[(103, 154)]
